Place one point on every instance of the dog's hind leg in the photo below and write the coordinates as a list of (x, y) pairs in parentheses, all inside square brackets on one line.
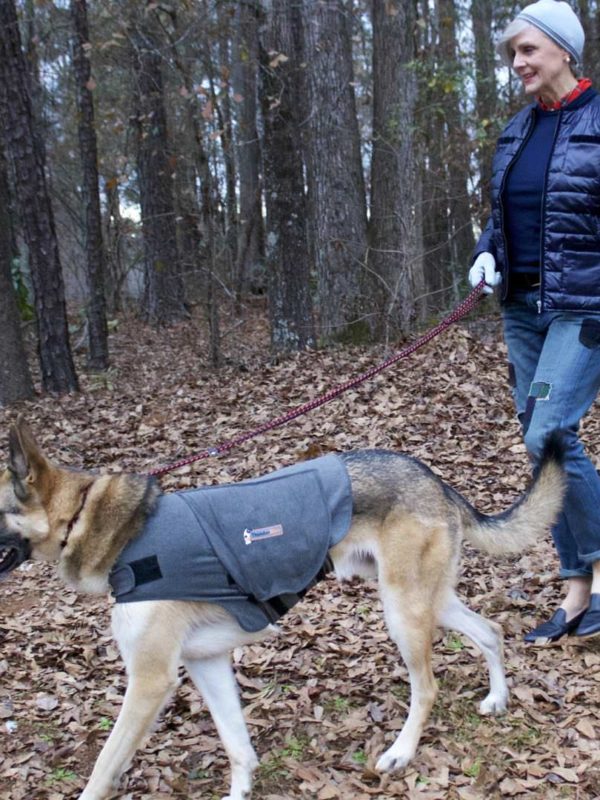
[(216, 682), (488, 637), (410, 620)]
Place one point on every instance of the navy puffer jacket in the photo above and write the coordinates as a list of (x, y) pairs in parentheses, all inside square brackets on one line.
[(570, 246)]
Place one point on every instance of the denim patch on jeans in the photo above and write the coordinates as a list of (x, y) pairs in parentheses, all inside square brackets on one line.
[(555, 357)]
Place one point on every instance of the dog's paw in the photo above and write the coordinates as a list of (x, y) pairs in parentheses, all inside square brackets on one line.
[(493, 705), (243, 795), (393, 760)]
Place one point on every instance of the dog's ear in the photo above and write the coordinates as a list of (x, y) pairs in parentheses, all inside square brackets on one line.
[(26, 460)]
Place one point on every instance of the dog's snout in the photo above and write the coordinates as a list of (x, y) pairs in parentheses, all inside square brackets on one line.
[(14, 550)]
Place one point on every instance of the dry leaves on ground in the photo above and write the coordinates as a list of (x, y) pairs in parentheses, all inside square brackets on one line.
[(329, 694)]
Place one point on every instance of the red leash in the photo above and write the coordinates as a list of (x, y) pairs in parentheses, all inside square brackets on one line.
[(461, 310)]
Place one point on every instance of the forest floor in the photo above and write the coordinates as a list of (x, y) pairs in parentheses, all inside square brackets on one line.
[(327, 696)]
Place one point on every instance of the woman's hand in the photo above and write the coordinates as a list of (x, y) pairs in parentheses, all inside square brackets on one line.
[(484, 268)]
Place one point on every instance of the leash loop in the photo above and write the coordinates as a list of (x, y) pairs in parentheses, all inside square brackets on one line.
[(461, 310)]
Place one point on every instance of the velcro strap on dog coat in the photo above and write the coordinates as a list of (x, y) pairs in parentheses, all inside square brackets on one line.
[(136, 573)]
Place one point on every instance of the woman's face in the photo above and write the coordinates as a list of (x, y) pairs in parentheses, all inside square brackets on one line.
[(542, 65)]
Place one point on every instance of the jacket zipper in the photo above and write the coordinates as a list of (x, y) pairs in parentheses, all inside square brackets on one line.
[(501, 204), (542, 212)]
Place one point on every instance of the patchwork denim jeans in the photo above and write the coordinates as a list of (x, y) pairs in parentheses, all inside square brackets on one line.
[(555, 371)]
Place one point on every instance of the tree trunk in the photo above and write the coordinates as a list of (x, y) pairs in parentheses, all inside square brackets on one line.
[(163, 302), (190, 242), (337, 205), (590, 19), (437, 260), (457, 153), (250, 223), (30, 43), (27, 153), (395, 228), (15, 380), (288, 258), (114, 231), (436, 248), (222, 104), (208, 194), (94, 248), (219, 107), (482, 14)]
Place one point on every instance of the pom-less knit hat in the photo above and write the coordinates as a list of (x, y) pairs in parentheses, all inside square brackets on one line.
[(558, 21)]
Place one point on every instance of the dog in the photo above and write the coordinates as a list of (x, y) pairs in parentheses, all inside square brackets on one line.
[(403, 526)]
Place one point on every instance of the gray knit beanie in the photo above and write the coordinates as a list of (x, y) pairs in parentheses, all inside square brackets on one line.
[(557, 20)]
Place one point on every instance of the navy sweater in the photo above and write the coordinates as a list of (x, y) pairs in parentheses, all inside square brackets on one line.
[(524, 190)]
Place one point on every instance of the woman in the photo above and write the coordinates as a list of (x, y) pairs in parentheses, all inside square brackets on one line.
[(542, 244)]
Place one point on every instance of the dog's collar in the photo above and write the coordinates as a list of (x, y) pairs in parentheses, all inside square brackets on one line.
[(84, 493)]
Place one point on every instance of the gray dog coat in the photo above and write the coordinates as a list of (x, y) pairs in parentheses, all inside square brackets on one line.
[(253, 547)]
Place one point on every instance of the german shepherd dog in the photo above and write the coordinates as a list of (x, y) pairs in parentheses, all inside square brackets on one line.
[(406, 530)]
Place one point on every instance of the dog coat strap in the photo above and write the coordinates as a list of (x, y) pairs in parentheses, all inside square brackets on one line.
[(136, 573), (275, 607)]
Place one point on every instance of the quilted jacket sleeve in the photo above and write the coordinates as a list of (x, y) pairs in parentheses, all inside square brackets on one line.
[(486, 241)]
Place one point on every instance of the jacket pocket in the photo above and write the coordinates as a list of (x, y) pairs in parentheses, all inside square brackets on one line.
[(589, 334), (583, 138)]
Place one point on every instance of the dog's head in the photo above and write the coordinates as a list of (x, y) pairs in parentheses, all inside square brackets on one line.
[(24, 486), (79, 519)]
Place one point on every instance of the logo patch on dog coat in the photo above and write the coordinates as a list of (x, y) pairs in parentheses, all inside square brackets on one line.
[(259, 534)]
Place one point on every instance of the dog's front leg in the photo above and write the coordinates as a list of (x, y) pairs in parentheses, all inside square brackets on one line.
[(216, 682), (149, 637), (146, 693)]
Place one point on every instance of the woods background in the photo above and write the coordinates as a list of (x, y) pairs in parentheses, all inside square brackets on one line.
[(330, 157), (207, 183)]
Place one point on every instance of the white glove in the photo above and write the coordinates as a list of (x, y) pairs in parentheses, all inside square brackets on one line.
[(484, 268)]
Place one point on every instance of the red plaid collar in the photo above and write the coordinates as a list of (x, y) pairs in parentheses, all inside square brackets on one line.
[(582, 85)]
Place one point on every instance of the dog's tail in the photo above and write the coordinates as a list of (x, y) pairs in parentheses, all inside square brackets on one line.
[(531, 516)]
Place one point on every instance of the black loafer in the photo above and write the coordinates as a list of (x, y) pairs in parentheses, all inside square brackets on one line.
[(590, 623), (556, 627)]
